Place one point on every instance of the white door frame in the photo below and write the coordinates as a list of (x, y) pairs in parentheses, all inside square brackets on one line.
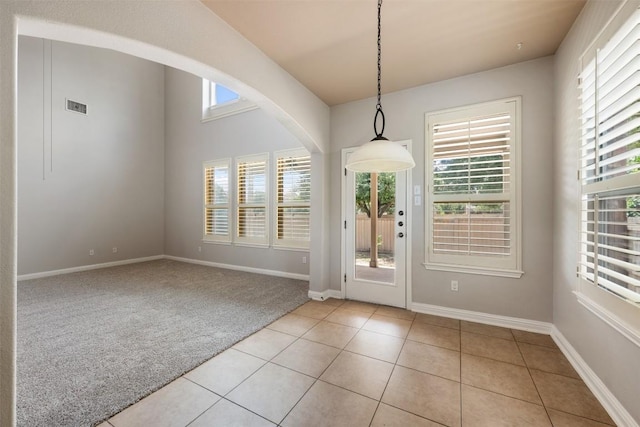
[(343, 217)]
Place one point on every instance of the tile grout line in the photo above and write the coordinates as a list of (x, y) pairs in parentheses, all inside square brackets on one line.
[(546, 411)]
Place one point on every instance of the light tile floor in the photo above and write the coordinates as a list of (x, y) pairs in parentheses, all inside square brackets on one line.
[(347, 363)]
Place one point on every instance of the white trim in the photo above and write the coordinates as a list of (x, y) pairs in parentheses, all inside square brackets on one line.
[(87, 267), (615, 409), (609, 318), (510, 266), (276, 273), (325, 295), (486, 318), (514, 274)]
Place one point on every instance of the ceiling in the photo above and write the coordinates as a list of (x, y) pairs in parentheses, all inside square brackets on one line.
[(330, 45)]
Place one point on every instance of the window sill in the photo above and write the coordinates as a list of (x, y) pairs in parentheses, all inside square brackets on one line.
[(215, 113), (291, 248), (216, 242), (513, 274)]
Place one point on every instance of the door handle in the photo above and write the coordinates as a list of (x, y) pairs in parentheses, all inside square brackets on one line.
[(401, 234)]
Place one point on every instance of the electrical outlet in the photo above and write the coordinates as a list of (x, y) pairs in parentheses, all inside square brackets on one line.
[(304, 259), (114, 250), (454, 285), (91, 252)]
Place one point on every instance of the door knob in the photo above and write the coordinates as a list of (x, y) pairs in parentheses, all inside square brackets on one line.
[(401, 235)]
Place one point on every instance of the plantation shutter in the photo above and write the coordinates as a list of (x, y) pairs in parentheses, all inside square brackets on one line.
[(609, 164), (252, 199), (216, 200), (293, 183), (472, 215)]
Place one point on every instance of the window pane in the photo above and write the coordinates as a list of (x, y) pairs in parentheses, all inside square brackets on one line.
[(293, 223), (251, 222), (472, 156), (611, 235), (252, 185), (294, 179), (472, 229), (217, 222), (223, 95)]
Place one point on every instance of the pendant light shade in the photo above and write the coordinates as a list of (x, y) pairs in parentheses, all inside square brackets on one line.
[(380, 154)]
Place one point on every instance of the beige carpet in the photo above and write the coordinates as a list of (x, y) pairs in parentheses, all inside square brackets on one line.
[(92, 343)]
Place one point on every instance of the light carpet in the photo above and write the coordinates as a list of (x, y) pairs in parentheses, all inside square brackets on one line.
[(92, 343)]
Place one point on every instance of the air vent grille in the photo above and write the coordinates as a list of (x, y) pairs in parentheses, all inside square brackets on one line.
[(76, 107)]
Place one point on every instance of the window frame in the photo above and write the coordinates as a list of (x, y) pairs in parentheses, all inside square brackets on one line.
[(212, 238), (244, 240), (287, 243), (619, 313), (510, 266), (210, 111)]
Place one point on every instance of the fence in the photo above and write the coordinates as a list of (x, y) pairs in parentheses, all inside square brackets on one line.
[(489, 231)]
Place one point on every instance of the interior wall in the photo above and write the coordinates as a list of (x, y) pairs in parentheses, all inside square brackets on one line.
[(189, 143), (94, 181), (607, 352), (529, 297)]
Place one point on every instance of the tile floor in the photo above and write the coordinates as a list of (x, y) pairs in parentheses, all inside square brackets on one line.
[(346, 363)]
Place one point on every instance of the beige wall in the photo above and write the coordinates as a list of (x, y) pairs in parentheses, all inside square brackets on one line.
[(189, 142), (529, 297), (88, 182)]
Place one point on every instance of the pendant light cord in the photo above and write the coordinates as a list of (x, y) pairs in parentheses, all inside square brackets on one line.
[(379, 104)]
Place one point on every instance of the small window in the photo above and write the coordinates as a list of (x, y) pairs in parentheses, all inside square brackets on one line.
[(252, 201), (219, 101), (293, 198), (216, 200), (472, 215)]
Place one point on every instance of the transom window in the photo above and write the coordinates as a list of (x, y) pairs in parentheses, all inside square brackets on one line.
[(219, 101)]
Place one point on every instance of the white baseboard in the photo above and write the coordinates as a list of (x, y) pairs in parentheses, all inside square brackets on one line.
[(489, 319), (325, 295), (87, 267), (612, 405), (241, 268)]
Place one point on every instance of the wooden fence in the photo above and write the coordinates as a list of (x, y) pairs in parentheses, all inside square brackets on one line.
[(490, 232)]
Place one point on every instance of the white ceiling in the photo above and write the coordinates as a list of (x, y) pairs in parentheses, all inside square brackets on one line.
[(330, 45)]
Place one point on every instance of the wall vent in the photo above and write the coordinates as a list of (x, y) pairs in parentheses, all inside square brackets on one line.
[(76, 107)]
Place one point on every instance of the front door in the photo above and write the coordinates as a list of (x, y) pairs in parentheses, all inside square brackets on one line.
[(375, 236)]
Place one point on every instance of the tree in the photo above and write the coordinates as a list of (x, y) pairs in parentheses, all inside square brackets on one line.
[(386, 193)]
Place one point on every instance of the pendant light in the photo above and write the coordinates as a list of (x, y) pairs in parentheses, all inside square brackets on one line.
[(380, 154)]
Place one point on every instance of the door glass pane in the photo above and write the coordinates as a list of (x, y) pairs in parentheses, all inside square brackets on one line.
[(375, 258)]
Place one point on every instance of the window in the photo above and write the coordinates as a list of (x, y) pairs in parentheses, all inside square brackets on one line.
[(610, 166), (216, 200), (219, 101), (293, 198), (252, 212), (473, 208)]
